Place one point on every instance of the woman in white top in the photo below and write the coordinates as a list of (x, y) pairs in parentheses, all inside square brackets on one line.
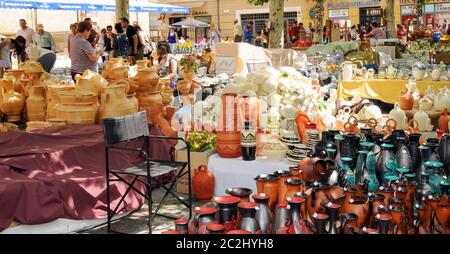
[(214, 34)]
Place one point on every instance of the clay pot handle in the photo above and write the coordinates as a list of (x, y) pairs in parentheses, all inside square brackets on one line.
[(413, 125), (372, 123), (202, 168), (355, 120), (391, 124)]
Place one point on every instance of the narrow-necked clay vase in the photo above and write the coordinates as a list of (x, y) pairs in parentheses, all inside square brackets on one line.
[(406, 99), (13, 102), (36, 104), (203, 184), (114, 103), (443, 120)]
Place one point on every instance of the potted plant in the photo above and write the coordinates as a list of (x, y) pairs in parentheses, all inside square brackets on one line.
[(189, 64)]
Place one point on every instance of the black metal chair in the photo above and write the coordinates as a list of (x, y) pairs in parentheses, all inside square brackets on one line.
[(122, 130)]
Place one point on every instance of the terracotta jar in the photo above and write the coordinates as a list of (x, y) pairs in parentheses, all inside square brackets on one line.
[(148, 79), (284, 175), (271, 189), (147, 100), (31, 65), (359, 206), (227, 211), (228, 144), (376, 201), (387, 193), (319, 192), (188, 75), (118, 73), (91, 82), (215, 228), (406, 100), (76, 107), (203, 184), (182, 225), (114, 103), (302, 120), (313, 169), (443, 121), (293, 186), (36, 103), (13, 102), (17, 75)]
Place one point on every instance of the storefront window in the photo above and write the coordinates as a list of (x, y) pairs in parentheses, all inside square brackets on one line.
[(260, 19)]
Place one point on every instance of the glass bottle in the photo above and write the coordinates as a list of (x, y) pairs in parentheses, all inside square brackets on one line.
[(248, 142)]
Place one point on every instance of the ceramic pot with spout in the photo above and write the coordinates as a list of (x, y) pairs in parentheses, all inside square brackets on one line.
[(36, 103), (13, 102), (203, 184), (406, 100), (114, 103), (418, 71)]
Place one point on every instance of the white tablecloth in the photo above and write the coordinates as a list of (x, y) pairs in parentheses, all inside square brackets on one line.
[(238, 173)]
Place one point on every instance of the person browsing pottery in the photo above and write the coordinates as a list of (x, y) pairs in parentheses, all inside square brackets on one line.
[(165, 62), (73, 32), (25, 31), (144, 39), (83, 55), (237, 31), (44, 39), (121, 44), (45, 57), (132, 35)]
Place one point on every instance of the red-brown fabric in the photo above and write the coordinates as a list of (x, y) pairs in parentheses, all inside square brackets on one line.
[(60, 173)]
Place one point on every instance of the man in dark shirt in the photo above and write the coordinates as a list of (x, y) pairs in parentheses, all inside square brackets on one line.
[(132, 38)]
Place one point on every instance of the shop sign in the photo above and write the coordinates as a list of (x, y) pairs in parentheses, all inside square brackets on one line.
[(407, 9), (406, 2), (348, 4), (445, 7), (340, 13)]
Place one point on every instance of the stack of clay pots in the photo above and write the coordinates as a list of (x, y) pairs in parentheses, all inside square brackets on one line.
[(53, 98), (148, 92), (77, 107)]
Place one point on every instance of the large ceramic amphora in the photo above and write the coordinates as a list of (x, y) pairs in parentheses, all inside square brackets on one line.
[(76, 107), (114, 102), (147, 102), (148, 79), (13, 102), (36, 103), (17, 75)]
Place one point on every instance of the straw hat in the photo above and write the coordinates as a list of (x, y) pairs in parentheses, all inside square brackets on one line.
[(39, 26)]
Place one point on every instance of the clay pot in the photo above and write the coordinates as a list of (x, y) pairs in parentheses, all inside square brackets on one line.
[(318, 194), (348, 223), (443, 216), (313, 169), (359, 206), (247, 219), (118, 73), (181, 225), (263, 215), (215, 228), (148, 79), (35, 103), (76, 107), (284, 175), (293, 186), (281, 219), (406, 99), (242, 193), (443, 120), (36, 125), (387, 193), (227, 211), (114, 103), (203, 184), (148, 100), (31, 65), (13, 102), (302, 120), (53, 98), (17, 76), (134, 100), (188, 75), (228, 144), (165, 128), (91, 82), (202, 217), (270, 188)]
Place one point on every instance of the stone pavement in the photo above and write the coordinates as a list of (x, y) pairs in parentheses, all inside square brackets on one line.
[(136, 223)]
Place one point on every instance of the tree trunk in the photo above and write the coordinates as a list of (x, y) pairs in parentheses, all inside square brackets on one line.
[(122, 9), (318, 21), (276, 19), (418, 15), (390, 18)]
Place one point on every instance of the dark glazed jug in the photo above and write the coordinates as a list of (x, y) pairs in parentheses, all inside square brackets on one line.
[(433, 144), (402, 155), (413, 148), (202, 217), (386, 154), (323, 144), (247, 219), (263, 215), (296, 222), (281, 218), (444, 152), (320, 223), (424, 157), (227, 211)]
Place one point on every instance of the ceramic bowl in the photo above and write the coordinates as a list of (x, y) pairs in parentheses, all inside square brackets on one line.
[(274, 150)]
